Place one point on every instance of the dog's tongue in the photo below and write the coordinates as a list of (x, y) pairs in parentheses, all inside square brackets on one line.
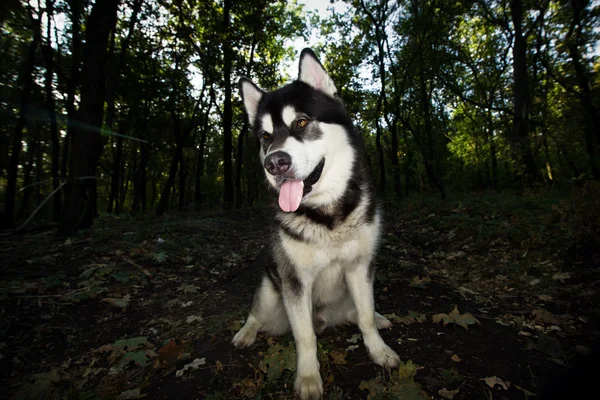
[(290, 195)]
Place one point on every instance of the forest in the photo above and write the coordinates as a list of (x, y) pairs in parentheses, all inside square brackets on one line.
[(132, 186), (133, 107)]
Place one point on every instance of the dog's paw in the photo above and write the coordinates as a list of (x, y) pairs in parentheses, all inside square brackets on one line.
[(382, 322), (244, 338), (385, 356), (309, 387)]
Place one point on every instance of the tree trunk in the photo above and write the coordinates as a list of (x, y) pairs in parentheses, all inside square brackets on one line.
[(54, 137), (227, 110), (520, 130), (182, 177), (428, 148), (26, 82), (239, 163), (87, 142), (116, 177), (32, 144), (139, 180), (492, 143), (73, 82), (200, 159), (163, 203), (591, 113), (378, 145)]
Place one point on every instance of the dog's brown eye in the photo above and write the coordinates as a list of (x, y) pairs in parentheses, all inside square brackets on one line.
[(266, 135), (301, 123)]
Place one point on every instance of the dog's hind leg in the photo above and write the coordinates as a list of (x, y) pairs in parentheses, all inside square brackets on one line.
[(267, 315)]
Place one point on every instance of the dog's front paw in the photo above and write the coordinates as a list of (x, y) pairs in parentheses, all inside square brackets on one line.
[(309, 387), (385, 356), (244, 338)]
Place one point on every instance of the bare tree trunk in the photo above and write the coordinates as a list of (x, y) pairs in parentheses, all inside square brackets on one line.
[(72, 83), (26, 82), (32, 144), (54, 139), (163, 203), (227, 109), (591, 113), (379, 147), (139, 180), (87, 143), (520, 131), (116, 177), (182, 177), (200, 156)]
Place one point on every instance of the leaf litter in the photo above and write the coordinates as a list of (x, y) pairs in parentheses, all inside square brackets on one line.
[(117, 291)]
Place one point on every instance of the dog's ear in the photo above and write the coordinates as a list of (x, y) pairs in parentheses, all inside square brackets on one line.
[(311, 72), (251, 95)]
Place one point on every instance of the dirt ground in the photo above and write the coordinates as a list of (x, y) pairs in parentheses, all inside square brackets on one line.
[(492, 297)]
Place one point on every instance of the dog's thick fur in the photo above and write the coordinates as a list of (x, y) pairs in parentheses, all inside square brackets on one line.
[(319, 264)]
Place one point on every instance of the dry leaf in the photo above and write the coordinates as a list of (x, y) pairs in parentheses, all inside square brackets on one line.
[(492, 381), (456, 358), (447, 394)]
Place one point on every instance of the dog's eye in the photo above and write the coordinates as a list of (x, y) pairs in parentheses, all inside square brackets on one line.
[(301, 123), (266, 135)]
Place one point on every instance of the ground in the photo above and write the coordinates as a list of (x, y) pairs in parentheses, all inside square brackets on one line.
[(492, 297)]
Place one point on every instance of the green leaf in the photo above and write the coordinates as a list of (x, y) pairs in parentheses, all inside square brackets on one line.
[(160, 257), (132, 343), (277, 359), (138, 357)]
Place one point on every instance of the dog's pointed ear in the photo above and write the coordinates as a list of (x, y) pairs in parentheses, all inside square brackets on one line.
[(251, 95), (311, 72)]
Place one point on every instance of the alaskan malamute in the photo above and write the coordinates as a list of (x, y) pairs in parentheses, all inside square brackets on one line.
[(319, 265)]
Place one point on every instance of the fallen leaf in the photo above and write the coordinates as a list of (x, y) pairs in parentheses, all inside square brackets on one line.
[(193, 365), (492, 381), (337, 357), (455, 317), (354, 338), (193, 318), (122, 303), (130, 394), (447, 394), (525, 391), (185, 288), (420, 283), (583, 350), (561, 276), (277, 359), (544, 316)]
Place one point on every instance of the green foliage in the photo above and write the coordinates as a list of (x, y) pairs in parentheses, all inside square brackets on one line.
[(278, 359)]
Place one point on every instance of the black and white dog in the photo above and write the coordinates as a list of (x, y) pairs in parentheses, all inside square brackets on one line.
[(320, 271)]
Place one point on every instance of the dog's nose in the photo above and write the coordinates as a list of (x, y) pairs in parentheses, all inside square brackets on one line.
[(278, 162)]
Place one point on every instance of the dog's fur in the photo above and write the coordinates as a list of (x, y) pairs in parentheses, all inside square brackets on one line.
[(319, 264)]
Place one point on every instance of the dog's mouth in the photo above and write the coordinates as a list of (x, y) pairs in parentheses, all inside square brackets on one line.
[(292, 191)]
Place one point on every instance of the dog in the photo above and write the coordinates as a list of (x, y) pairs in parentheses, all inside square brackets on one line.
[(319, 263)]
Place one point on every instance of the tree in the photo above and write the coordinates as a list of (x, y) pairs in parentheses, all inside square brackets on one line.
[(87, 142)]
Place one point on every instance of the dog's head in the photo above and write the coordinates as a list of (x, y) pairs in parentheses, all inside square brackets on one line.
[(305, 136)]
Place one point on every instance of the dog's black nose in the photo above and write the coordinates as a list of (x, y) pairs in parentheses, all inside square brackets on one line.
[(277, 163)]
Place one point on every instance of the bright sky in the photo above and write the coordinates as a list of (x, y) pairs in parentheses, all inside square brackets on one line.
[(322, 7)]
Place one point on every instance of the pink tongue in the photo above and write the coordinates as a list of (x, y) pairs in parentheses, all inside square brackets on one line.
[(290, 195)]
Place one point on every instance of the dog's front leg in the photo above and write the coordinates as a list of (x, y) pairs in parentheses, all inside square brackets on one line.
[(360, 285), (298, 305)]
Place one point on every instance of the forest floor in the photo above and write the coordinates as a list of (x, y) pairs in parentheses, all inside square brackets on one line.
[(148, 307)]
